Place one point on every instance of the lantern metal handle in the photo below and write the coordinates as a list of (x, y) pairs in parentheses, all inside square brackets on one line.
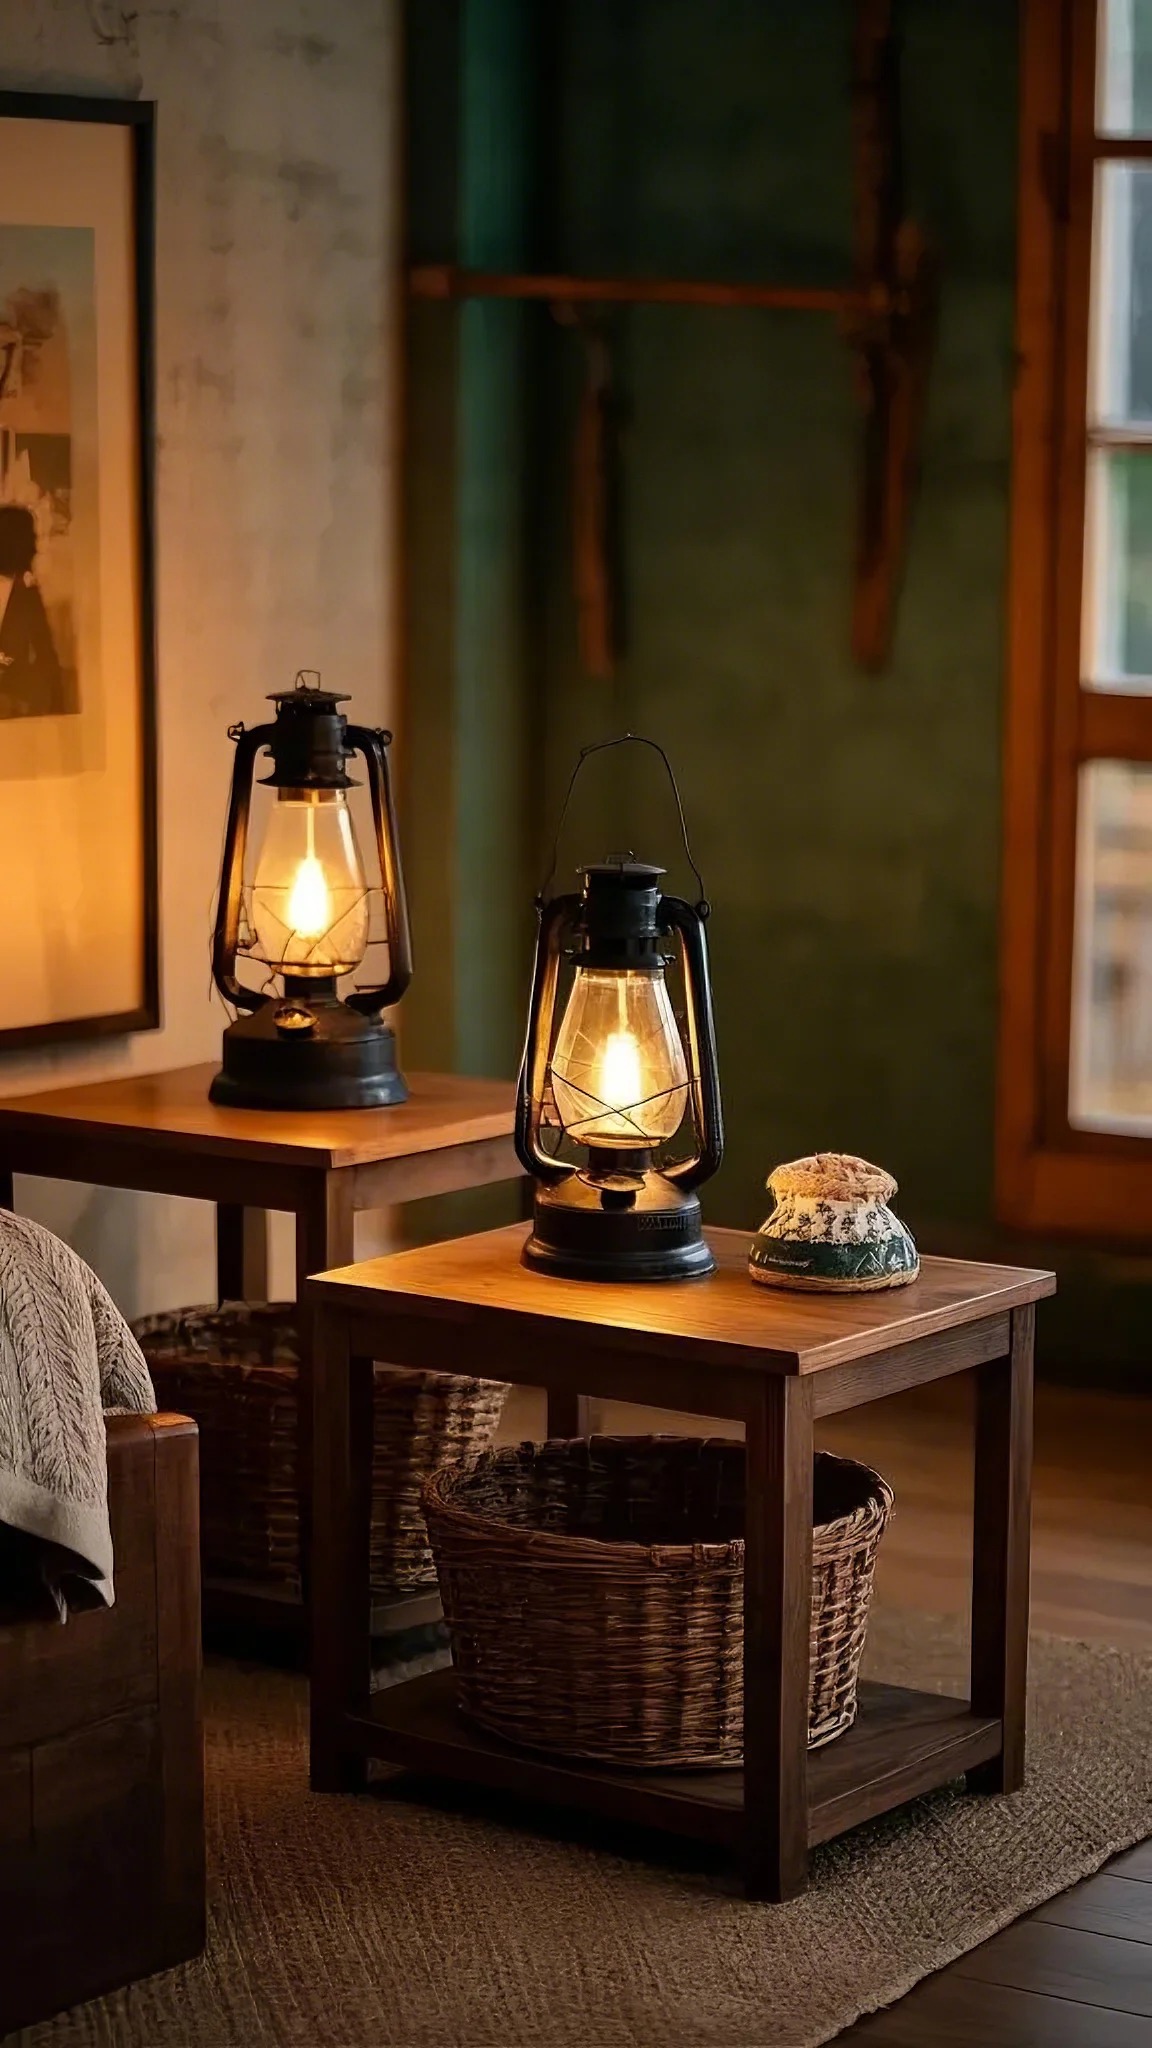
[(372, 743), (226, 935), (553, 916), (685, 919), (624, 739)]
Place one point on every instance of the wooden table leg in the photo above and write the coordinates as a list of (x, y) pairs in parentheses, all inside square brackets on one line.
[(241, 1253), (324, 1238), (1002, 1513), (777, 1620), (341, 1643), (569, 1414)]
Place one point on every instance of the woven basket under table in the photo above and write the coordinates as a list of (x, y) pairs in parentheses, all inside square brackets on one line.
[(594, 1591), (235, 1369)]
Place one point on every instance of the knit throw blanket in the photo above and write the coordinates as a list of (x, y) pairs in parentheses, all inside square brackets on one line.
[(66, 1356)]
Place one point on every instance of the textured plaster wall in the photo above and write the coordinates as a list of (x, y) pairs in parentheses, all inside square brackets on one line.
[(472, 90), (276, 249)]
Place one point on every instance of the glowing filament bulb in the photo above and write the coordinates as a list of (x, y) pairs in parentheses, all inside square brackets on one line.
[(620, 1085), (309, 895), (309, 906)]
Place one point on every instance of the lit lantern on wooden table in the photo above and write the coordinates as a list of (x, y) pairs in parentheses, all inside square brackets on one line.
[(612, 1077), (306, 916)]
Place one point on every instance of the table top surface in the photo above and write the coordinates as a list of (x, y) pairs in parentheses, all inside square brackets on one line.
[(171, 1112), (479, 1282)]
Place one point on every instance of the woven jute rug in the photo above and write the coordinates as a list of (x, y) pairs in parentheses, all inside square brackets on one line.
[(435, 1920)]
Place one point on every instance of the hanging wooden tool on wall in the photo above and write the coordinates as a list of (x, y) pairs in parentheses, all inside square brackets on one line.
[(887, 315)]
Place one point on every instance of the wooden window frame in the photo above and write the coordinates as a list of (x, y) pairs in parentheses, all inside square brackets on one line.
[(1050, 1175)]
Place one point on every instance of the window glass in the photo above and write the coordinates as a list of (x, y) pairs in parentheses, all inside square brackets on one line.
[(1122, 297), (1118, 572), (1111, 1063), (1124, 91)]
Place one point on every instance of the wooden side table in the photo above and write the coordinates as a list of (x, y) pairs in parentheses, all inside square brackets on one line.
[(160, 1134), (718, 1346)]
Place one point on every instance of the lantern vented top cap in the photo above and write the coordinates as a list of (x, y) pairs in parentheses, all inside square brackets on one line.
[(307, 741), (625, 869), (306, 696), (619, 918)]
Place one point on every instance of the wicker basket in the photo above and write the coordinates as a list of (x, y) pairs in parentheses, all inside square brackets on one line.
[(235, 1370), (594, 1593)]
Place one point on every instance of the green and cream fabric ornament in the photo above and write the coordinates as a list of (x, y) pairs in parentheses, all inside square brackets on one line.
[(831, 1228)]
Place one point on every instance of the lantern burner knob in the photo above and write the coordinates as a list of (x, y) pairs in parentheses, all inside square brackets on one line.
[(617, 1178), (290, 1018)]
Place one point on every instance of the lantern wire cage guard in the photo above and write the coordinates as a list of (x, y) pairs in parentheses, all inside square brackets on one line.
[(555, 1134), (370, 900)]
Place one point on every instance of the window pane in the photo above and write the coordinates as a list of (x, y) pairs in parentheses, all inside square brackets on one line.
[(1112, 963), (1125, 68), (1118, 572), (1122, 296)]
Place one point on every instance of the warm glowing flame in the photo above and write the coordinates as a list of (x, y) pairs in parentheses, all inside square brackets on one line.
[(619, 1083), (309, 903), (309, 893)]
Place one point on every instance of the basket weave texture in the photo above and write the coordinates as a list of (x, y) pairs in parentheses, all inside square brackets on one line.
[(594, 1591), (235, 1370)]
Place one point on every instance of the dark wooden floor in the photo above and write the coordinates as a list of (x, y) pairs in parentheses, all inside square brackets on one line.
[(1075, 1974), (1078, 1972)]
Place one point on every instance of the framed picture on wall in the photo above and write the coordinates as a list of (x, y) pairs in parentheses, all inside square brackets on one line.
[(77, 686)]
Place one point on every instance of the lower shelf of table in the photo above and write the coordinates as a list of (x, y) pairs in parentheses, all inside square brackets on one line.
[(903, 1744), (281, 1609)]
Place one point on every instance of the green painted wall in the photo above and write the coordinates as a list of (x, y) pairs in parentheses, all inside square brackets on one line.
[(848, 825), (468, 810)]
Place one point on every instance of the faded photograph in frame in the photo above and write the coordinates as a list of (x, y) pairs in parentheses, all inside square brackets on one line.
[(78, 852)]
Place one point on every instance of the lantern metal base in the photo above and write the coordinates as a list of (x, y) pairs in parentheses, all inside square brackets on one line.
[(336, 1058), (582, 1232)]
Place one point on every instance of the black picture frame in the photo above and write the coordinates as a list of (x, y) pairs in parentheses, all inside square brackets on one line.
[(139, 118)]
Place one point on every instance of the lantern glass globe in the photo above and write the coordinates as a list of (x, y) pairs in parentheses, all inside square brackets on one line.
[(309, 893), (619, 1075)]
